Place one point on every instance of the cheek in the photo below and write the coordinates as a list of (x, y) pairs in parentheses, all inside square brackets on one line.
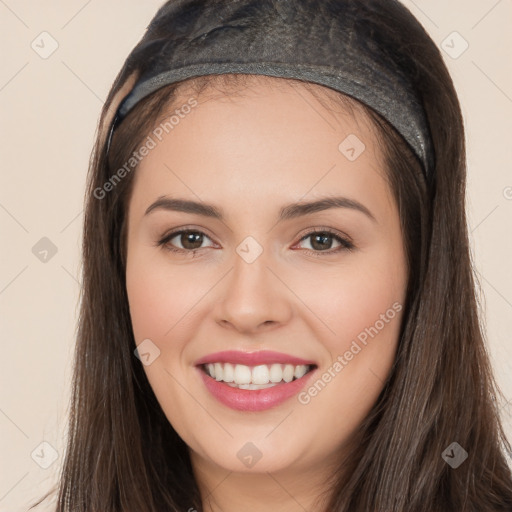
[(355, 297), (362, 305), (161, 301), (160, 296), (151, 309), (363, 308)]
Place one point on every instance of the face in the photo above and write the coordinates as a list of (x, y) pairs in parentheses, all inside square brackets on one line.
[(266, 275)]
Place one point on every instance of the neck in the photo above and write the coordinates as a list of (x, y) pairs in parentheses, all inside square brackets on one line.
[(286, 491)]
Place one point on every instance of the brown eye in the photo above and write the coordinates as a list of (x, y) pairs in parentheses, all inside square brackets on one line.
[(191, 240), (325, 241), (184, 241), (321, 241)]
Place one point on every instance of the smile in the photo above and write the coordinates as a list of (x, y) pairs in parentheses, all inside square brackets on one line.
[(254, 381), (257, 377)]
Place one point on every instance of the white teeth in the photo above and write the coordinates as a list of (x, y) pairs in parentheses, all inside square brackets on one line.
[(218, 371), (288, 372), (300, 371), (229, 373), (276, 373), (256, 377), (260, 374), (242, 374), (252, 386)]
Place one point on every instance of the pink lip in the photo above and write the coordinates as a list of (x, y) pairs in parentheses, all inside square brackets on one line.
[(258, 399), (252, 358), (253, 400)]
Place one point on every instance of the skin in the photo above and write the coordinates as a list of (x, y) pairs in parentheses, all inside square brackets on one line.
[(250, 155)]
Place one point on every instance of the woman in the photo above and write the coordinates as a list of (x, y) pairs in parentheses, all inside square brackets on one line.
[(278, 306)]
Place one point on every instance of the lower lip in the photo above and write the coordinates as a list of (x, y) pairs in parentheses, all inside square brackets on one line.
[(257, 399)]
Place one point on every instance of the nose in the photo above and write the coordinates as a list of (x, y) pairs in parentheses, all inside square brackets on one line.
[(252, 299)]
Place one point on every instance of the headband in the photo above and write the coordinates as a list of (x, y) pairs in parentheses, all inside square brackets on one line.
[(334, 44)]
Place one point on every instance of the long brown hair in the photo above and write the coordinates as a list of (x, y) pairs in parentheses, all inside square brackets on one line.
[(123, 454)]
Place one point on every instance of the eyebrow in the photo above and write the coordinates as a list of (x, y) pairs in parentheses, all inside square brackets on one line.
[(290, 211)]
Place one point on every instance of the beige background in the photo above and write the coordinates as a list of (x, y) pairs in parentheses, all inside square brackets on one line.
[(50, 108)]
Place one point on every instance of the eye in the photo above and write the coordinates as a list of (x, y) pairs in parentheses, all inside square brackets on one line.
[(190, 241), (323, 240), (184, 240)]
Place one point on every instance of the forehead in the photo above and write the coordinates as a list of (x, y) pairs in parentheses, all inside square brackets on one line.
[(233, 85), (259, 140)]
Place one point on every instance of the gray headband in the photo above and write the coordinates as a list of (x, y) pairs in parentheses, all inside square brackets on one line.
[(331, 43)]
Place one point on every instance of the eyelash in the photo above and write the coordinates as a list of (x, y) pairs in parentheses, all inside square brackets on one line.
[(345, 244)]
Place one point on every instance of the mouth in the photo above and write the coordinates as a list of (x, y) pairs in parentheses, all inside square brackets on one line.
[(254, 381), (258, 377)]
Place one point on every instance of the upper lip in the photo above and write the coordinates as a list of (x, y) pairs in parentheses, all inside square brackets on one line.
[(252, 358)]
